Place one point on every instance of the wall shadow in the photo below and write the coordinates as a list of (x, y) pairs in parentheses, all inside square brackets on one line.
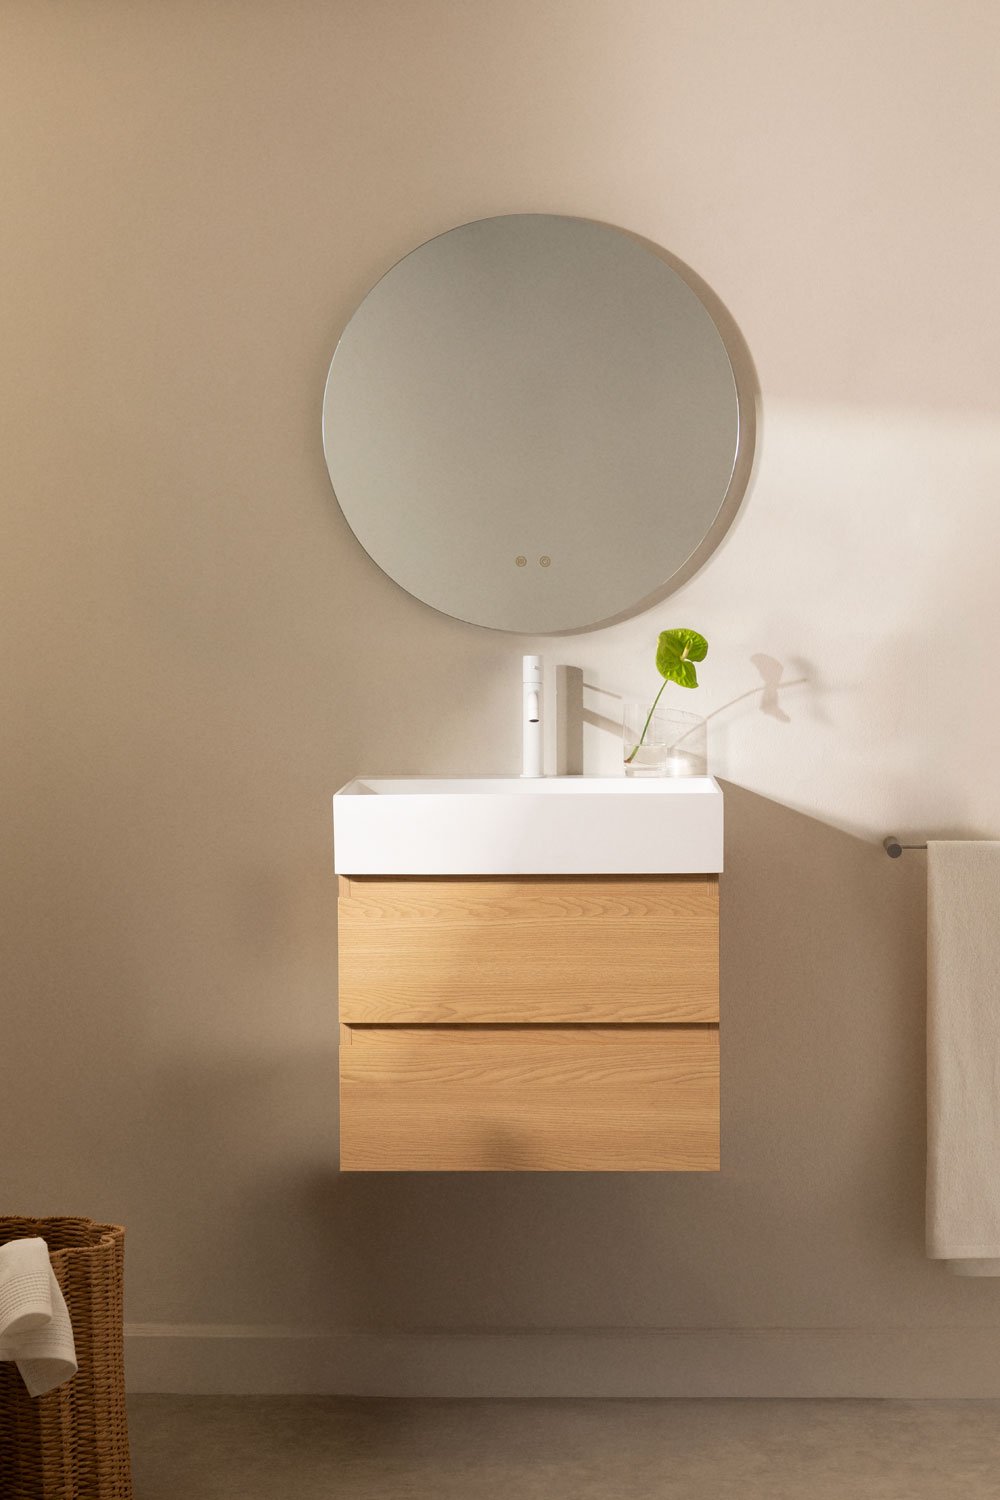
[(817, 1216)]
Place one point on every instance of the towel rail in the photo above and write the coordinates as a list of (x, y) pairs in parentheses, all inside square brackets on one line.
[(894, 848)]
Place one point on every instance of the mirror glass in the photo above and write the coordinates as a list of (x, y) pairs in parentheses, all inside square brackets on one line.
[(531, 422)]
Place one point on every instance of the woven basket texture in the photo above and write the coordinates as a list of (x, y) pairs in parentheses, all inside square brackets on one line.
[(72, 1444)]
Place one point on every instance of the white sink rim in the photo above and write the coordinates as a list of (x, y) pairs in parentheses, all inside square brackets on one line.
[(554, 825), (519, 786)]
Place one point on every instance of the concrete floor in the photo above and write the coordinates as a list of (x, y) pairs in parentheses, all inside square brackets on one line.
[(314, 1447)]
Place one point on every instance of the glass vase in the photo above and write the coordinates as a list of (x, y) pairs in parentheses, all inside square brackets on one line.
[(672, 743)]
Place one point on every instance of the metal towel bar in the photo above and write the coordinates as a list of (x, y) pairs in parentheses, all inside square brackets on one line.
[(894, 848)]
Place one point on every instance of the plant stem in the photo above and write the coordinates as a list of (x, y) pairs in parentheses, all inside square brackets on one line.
[(635, 749)]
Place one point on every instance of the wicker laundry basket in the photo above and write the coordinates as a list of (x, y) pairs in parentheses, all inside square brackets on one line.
[(72, 1444)]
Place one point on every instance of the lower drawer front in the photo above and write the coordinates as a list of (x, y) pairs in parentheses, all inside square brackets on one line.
[(529, 1099)]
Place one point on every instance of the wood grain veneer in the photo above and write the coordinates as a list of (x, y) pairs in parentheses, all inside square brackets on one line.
[(530, 1099), (530, 950)]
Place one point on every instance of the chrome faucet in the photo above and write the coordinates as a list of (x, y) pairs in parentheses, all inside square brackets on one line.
[(531, 697)]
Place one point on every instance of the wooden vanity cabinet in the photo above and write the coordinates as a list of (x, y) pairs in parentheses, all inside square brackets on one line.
[(526, 1024)]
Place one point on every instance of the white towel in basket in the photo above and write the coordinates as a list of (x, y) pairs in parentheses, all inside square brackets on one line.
[(35, 1330)]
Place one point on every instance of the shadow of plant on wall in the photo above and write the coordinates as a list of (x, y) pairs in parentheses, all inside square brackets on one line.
[(574, 711), (771, 670)]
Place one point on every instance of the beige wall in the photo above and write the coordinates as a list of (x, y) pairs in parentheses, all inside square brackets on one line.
[(196, 654)]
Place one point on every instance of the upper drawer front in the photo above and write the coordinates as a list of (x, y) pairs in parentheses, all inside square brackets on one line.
[(529, 950)]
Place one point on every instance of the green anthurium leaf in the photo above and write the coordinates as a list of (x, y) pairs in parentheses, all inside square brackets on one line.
[(676, 653), (681, 672)]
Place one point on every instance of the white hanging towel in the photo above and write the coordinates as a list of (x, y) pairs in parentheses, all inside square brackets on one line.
[(963, 1056), (35, 1329)]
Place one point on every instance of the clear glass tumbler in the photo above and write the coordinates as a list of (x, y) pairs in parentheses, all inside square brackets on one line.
[(672, 743)]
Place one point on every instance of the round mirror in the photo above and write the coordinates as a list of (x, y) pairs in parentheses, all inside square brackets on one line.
[(531, 423)]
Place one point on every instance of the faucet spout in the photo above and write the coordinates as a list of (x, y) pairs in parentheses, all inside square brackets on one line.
[(531, 717)]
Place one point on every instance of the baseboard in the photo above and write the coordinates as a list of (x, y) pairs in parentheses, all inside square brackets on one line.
[(757, 1362)]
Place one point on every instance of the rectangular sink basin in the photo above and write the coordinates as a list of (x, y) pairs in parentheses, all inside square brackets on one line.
[(553, 825)]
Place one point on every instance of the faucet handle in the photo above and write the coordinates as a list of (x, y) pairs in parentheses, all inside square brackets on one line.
[(531, 678)]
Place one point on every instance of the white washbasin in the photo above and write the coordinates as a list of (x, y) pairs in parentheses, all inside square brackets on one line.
[(555, 825)]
